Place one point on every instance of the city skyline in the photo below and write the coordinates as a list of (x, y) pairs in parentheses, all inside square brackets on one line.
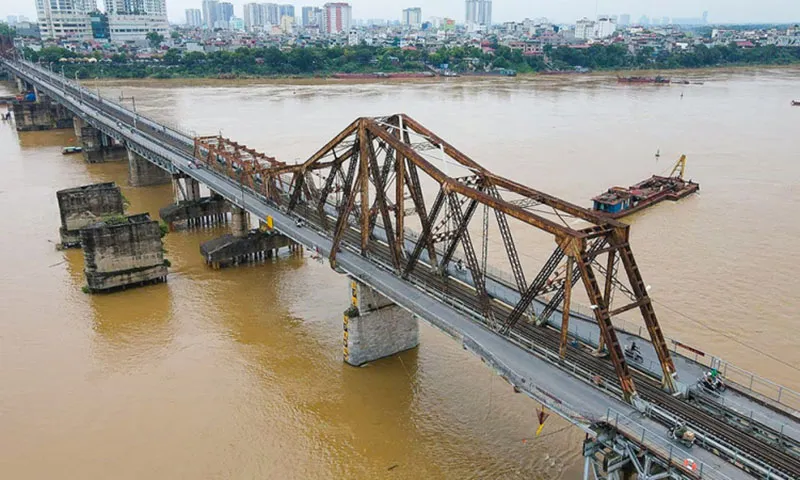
[(720, 11)]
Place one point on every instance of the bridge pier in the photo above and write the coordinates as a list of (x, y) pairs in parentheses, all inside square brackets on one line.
[(240, 221), (123, 252), (83, 206), (374, 327), (41, 115), (192, 210), (253, 247), (142, 173), (96, 146)]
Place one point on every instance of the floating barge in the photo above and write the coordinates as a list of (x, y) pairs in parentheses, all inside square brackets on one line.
[(651, 80), (795, 103), (619, 202)]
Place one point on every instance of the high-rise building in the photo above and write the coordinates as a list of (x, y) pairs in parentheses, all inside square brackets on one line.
[(100, 29), (311, 16), (11, 20), (285, 11), (252, 16), (336, 17), (135, 7), (210, 11), (65, 18), (194, 17), (412, 17), (624, 20), (479, 12), (224, 15)]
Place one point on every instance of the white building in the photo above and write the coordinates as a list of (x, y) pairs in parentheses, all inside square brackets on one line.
[(412, 17), (353, 38), (479, 12), (194, 17), (584, 29), (135, 7), (604, 27), (336, 18), (65, 18), (134, 28)]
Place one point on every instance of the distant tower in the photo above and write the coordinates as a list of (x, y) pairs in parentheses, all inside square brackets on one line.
[(705, 17)]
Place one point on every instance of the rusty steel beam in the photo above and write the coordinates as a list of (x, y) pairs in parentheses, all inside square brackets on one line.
[(648, 314), (508, 243), (472, 193), (616, 354), (415, 187), (423, 240), (380, 199), (608, 288), (630, 306), (461, 229), (562, 351), (530, 293), (363, 185), (341, 226), (478, 278)]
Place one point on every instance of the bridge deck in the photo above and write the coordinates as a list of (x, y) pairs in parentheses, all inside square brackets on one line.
[(575, 399)]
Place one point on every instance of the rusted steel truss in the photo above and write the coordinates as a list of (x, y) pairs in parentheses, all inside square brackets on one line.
[(390, 189)]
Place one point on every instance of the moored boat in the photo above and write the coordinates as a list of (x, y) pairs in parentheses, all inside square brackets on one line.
[(71, 150), (795, 103), (659, 80)]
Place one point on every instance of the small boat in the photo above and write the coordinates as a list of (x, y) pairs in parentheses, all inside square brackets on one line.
[(795, 103), (659, 80), (71, 150)]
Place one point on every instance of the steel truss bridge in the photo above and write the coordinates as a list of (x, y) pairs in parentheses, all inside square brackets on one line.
[(401, 210)]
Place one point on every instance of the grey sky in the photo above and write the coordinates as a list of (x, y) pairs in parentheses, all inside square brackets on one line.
[(723, 11)]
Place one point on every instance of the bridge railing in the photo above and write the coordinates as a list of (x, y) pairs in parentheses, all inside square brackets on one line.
[(662, 446), (758, 386)]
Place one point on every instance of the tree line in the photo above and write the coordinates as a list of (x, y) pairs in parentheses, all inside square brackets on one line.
[(314, 60)]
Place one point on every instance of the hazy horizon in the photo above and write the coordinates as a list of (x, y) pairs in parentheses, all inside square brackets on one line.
[(719, 11)]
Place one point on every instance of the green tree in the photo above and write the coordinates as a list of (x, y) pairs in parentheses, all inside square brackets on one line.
[(154, 38)]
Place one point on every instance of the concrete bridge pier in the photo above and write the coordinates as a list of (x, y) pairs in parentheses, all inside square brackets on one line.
[(83, 206), (190, 209), (374, 327), (96, 146), (142, 173), (240, 222), (43, 114)]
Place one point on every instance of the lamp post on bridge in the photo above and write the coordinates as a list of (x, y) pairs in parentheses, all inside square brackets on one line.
[(78, 83), (122, 98)]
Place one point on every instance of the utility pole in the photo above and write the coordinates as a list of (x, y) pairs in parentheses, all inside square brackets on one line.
[(122, 98)]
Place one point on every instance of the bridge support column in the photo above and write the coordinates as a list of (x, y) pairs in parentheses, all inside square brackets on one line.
[(142, 173), (240, 222), (84, 206), (41, 115), (374, 327), (254, 247), (120, 253), (190, 209)]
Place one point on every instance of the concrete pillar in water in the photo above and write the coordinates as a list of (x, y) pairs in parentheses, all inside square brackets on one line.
[(374, 327), (142, 173), (41, 115), (192, 189), (123, 252), (240, 222), (77, 125), (21, 87), (92, 145), (83, 206)]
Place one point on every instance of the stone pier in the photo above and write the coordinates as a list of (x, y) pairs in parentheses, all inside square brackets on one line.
[(253, 247), (41, 115), (123, 252), (82, 206), (191, 210), (374, 327), (142, 173), (240, 222), (98, 147)]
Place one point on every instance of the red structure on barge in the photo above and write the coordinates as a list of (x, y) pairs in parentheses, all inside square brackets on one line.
[(618, 202)]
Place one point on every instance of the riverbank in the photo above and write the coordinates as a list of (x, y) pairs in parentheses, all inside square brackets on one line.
[(538, 76)]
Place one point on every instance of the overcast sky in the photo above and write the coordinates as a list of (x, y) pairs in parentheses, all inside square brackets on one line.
[(722, 11)]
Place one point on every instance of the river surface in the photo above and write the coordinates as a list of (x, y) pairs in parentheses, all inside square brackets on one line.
[(238, 373)]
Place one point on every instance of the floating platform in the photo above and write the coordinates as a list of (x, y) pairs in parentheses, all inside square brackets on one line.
[(618, 202)]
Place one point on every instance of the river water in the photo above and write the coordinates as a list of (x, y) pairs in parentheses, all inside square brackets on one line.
[(238, 373)]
